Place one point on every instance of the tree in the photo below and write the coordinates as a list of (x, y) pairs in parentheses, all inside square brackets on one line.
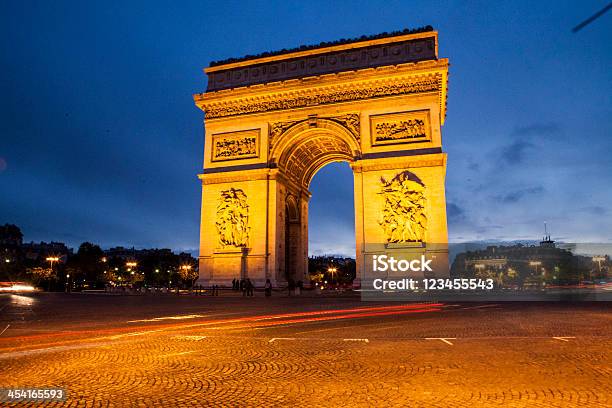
[(87, 264), (10, 235), (188, 273), (40, 275)]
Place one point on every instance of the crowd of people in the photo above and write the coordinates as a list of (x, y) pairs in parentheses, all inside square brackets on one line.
[(247, 288), (243, 285)]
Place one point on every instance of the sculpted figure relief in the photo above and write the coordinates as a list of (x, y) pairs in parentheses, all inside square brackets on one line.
[(404, 218), (405, 129), (228, 148), (232, 218)]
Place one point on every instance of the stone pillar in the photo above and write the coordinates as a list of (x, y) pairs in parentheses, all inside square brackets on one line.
[(385, 230)]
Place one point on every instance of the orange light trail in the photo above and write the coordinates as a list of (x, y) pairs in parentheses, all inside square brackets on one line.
[(265, 320)]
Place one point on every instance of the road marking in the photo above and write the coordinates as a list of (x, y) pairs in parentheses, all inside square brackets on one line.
[(186, 337), (364, 340), (7, 326), (134, 334), (179, 354), (444, 339), (158, 319), (272, 340), (563, 338)]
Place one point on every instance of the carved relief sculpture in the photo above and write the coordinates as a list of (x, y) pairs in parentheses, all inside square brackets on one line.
[(404, 218), (238, 145), (233, 218), (405, 129), (350, 121), (401, 127), (277, 129)]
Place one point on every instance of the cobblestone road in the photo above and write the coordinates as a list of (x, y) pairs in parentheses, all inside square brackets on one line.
[(306, 352)]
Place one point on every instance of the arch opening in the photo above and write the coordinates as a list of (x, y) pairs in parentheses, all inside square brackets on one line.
[(300, 155), (332, 211)]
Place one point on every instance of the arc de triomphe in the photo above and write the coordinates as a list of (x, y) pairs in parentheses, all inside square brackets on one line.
[(273, 120)]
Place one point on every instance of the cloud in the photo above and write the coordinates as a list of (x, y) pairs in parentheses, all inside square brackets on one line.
[(515, 152), (595, 210), (537, 129), (473, 166), (517, 195), (455, 213)]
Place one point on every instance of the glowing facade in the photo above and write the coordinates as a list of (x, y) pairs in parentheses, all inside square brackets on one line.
[(272, 122)]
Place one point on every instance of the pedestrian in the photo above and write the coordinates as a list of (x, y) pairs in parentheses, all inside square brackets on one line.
[(250, 287), (290, 287), (234, 284), (268, 288), (299, 287)]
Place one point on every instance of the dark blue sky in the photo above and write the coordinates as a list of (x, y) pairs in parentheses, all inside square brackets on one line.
[(100, 139)]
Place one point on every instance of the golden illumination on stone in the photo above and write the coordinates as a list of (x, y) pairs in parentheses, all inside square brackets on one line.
[(405, 127), (235, 145), (233, 218), (404, 218), (384, 120)]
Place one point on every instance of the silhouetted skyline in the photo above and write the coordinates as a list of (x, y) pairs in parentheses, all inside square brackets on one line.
[(101, 140)]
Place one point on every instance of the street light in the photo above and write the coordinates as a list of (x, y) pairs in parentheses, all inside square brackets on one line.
[(52, 259), (332, 270), (7, 260), (599, 260), (535, 265)]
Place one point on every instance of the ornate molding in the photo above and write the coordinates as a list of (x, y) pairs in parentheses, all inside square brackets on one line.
[(322, 96), (233, 218), (404, 218)]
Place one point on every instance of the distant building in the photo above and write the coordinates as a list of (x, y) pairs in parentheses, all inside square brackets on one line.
[(524, 264)]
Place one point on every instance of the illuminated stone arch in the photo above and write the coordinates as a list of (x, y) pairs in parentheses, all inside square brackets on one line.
[(309, 145), (272, 122)]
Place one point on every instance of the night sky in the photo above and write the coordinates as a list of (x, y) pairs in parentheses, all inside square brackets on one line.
[(100, 139)]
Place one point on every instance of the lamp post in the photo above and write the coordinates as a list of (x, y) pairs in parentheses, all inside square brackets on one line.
[(51, 259), (130, 265), (535, 265), (332, 270), (186, 271), (599, 260)]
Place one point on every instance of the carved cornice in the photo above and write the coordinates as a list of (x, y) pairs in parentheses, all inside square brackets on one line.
[(426, 160), (324, 95), (358, 56)]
